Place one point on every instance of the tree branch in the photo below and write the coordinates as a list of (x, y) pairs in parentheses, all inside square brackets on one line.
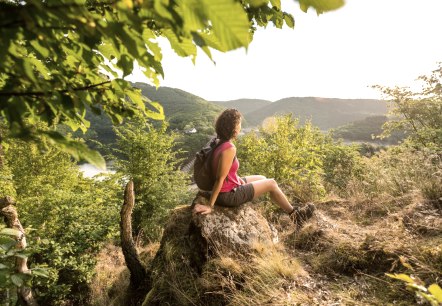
[(45, 93)]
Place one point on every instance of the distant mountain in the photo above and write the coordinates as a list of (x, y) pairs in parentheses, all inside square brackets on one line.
[(245, 106), (182, 108), (324, 112)]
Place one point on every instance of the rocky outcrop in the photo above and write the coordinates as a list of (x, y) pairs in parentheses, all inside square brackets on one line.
[(191, 241), (235, 229)]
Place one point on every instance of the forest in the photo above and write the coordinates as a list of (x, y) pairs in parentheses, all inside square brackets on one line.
[(377, 234)]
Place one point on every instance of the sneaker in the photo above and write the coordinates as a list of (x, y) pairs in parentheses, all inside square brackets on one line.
[(300, 215)]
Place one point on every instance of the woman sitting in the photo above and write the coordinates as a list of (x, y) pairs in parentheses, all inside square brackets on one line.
[(230, 189)]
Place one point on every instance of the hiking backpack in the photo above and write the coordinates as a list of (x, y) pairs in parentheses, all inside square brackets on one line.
[(202, 168)]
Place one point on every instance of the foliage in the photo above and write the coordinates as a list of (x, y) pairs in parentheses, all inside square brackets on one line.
[(419, 113), (289, 153), (9, 277), (341, 163), (399, 170), (433, 294), (148, 158), (70, 216), (60, 57)]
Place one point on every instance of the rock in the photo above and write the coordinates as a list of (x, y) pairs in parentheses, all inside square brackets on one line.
[(234, 228), (192, 243)]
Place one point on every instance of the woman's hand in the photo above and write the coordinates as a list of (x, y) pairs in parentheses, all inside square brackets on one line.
[(242, 181), (202, 209)]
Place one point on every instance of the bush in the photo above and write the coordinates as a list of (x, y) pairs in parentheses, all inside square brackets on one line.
[(341, 163), (400, 170), (291, 154)]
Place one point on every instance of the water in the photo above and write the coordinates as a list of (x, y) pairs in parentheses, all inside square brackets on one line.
[(90, 170)]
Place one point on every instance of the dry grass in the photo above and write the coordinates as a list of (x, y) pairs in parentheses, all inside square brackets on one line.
[(262, 278), (111, 278)]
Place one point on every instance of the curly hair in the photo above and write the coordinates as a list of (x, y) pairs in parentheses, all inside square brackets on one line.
[(226, 123)]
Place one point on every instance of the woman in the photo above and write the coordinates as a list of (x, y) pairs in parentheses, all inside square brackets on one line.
[(231, 190)]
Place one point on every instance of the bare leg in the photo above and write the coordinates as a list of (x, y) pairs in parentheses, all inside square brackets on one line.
[(262, 186), (253, 178)]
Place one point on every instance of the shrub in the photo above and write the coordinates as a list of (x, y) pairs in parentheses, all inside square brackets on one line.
[(289, 153)]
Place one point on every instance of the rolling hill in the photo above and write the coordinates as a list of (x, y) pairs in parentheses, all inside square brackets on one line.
[(362, 131), (324, 112), (245, 106), (182, 108)]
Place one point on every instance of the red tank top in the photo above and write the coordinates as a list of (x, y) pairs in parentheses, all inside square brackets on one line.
[(232, 179)]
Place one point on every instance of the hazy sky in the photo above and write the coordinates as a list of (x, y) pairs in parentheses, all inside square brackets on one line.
[(337, 54)]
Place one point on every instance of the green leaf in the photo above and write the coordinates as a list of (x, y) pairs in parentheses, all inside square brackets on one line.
[(17, 280), (436, 291), (10, 232), (229, 23), (258, 3), (29, 70), (3, 278), (320, 6), (158, 114), (417, 287), (276, 3), (289, 20), (137, 98), (76, 149), (161, 8), (183, 47), (6, 243), (40, 272), (2, 266), (44, 52)]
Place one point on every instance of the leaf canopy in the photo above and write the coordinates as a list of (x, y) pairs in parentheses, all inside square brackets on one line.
[(63, 58)]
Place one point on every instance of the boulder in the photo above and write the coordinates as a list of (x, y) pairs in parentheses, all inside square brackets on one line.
[(190, 242), (236, 229)]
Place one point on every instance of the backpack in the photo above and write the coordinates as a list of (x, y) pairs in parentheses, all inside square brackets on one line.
[(202, 168)]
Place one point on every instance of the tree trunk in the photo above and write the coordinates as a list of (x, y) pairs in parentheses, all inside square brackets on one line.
[(138, 274), (10, 214), (1, 152)]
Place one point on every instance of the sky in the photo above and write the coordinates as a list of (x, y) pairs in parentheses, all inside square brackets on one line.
[(339, 54)]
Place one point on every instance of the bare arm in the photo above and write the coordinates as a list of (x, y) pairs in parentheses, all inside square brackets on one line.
[(224, 164)]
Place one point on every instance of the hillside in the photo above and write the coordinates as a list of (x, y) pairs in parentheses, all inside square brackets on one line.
[(324, 112), (182, 108), (245, 106), (365, 129)]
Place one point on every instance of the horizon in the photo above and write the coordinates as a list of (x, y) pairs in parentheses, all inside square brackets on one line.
[(339, 54)]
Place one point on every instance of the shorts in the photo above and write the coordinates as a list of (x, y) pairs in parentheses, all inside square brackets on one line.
[(237, 196)]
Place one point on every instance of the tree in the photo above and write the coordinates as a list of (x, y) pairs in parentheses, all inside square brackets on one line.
[(419, 113), (70, 216), (148, 159), (60, 57)]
